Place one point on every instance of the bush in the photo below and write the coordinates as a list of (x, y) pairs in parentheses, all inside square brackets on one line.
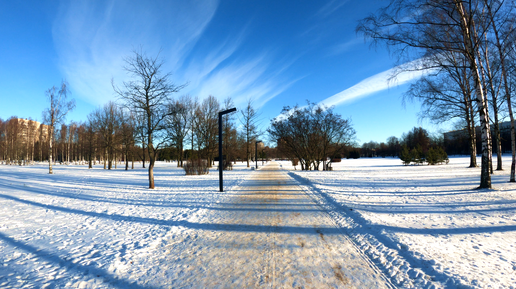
[(196, 167), (432, 156), (418, 157), (295, 162), (228, 166), (336, 160), (443, 156), (405, 156)]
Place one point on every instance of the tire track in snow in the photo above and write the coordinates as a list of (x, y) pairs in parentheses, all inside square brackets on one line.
[(402, 268)]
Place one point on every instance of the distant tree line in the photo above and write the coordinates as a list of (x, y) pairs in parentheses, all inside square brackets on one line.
[(418, 139), (146, 124)]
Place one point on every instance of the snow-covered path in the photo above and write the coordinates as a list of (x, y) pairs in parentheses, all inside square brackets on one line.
[(269, 234)]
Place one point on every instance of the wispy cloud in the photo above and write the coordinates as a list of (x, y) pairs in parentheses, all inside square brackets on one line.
[(92, 38), (345, 46), (330, 7), (254, 78), (379, 82)]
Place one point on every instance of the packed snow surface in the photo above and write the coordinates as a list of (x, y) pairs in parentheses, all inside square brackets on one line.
[(369, 223)]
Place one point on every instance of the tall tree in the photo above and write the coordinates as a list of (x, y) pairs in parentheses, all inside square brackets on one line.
[(430, 27), (178, 124), (502, 23), (205, 123), (148, 93), (249, 120), (56, 113)]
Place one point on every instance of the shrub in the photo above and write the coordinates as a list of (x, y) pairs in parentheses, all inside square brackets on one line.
[(437, 156), (418, 157), (228, 166), (443, 156), (196, 167), (295, 162), (336, 160), (405, 156), (432, 157)]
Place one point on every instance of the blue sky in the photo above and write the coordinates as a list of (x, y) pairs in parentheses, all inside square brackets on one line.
[(279, 53)]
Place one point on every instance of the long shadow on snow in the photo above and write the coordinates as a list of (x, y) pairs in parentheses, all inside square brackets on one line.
[(193, 205), (261, 228), (438, 208), (82, 269), (365, 227)]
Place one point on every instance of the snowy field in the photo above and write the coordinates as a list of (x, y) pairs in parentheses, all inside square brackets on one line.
[(104, 229), (425, 217), (96, 228)]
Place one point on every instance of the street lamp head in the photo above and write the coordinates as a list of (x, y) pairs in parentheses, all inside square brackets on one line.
[(228, 111)]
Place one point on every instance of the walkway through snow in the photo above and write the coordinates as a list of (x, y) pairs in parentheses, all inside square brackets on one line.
[(272, 235)]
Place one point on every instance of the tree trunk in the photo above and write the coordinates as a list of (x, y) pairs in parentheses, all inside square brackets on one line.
[(469, 37), (50, 150), (150, 148), (507, 94), (143, 151), (498, 145), (472, 139), (126, 159), (247, 153)]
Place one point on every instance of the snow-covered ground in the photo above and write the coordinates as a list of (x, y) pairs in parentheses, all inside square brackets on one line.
[(424, 219), (421, 226), (95, 228)]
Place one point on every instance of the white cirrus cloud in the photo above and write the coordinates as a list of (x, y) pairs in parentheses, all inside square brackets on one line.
[(93, 37), (379, 82)]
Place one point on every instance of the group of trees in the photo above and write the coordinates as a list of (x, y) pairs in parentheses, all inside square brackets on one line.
[(468, 45), (313, 134), (145, 121), (390, 148), (418, 147), (418, 140)]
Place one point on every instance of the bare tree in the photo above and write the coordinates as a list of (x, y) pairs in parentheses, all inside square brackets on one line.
[(249, 120), (502, 23), (107, 123), (127, 132), (431, 27), (229, 141), (178, 124), (205, 127), (311, 134), (447, 96), (56, 113), (148, 94)]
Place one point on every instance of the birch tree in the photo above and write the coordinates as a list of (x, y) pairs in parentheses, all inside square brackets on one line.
[(419, 28), (60, 106)]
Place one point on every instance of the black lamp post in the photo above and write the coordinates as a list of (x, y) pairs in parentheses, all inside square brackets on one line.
[(256, 152), (221, 162)]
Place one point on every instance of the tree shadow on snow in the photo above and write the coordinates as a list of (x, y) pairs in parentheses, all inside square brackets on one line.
[(82, 270)]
